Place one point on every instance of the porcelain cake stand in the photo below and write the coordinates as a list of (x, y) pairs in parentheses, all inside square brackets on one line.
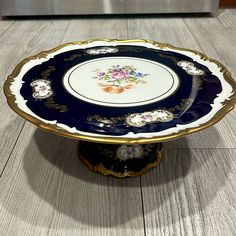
[(121, 98)]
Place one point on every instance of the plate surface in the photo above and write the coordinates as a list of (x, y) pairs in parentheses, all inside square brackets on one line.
[(119, 82), (121, 91)]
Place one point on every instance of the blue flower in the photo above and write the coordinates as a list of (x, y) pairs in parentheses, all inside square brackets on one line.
[(138, 74)]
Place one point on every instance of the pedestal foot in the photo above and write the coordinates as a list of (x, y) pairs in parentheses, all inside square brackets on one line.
[(120, 160)]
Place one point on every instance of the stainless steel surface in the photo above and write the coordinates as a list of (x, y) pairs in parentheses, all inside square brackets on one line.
[(78, 7)]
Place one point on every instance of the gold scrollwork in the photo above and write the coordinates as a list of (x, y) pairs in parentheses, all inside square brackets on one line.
[(73, 57), (105, 120), (47, 72), (50, 103), (182, 106), (172, 58)]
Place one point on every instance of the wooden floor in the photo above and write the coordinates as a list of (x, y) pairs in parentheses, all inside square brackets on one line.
[(45, 190)]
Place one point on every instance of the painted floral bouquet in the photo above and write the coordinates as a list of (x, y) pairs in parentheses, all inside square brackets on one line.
[(117, 79)]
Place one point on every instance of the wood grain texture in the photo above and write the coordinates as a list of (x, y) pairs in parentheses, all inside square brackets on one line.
[(192, 192), (170, 30), (4, 26), (22, 39), (227, 18), (80, 30)]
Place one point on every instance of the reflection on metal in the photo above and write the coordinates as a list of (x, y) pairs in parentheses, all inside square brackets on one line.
[(80, 7), (107, 6)]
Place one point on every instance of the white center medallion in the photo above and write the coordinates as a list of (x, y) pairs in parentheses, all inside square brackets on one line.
[(121, 81)]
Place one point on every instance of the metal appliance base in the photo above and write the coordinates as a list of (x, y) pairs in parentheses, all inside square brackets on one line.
[(88, 7)]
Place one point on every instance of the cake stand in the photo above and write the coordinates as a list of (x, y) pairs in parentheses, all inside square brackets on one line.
[(121, 98)]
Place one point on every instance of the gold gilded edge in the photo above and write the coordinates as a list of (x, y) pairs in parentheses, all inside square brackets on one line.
[(103, 170), (228, 105)]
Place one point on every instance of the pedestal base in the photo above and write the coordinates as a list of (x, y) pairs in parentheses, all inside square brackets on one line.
[(120, 160)]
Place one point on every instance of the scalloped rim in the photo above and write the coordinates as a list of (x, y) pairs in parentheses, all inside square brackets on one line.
[(228, 104)]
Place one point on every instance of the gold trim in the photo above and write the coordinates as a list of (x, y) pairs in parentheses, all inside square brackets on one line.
[(228, 104), (103, 170)]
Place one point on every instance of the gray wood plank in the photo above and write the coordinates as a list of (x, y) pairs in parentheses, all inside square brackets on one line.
[(22, 39), (85, 29), (5, 25), (228, 18), (45, 190), (163, 29), (192, 192)]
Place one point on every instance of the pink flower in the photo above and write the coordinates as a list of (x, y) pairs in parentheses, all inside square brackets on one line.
[(120, 74), (101, 74), (43, 88), (148, 117)]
